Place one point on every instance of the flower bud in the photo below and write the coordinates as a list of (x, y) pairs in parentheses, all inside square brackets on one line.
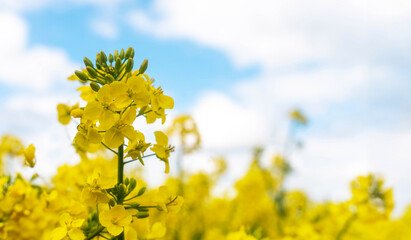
[(103, 57), (133, 183), (129, 65), (118, 64), (109, 78), (115, 54), (94, 86), (111, 202), (121, 54), (110, 58), (142, 214), (29, 155), (132, 53), (87, 62), (128, 52), (81, 75), (141, 191), (127, 181), (91, 72), (77, 113), (143, 66)]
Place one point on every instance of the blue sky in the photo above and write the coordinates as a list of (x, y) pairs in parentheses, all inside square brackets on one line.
[(238, 67)]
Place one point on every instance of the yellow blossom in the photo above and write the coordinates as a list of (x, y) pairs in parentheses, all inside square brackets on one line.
[(115, 219), (29, 155)]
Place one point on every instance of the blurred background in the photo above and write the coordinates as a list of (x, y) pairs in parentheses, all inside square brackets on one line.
[(238, 68)]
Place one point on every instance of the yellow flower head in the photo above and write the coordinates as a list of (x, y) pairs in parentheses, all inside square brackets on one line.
[(30, 159), (115, 219), (68, 226)]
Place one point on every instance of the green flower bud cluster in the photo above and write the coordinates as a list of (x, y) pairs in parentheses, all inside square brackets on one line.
[(109, 69)]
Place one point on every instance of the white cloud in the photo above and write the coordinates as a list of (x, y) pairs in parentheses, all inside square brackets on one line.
[(30, 5), (104, 28), (28, 67), (224, 124), (280, 33)]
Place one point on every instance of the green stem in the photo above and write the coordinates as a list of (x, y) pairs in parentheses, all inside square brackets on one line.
[(120, 176), (120, 164), (95, 234)]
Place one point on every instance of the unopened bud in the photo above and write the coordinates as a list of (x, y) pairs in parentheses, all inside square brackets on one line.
[(109, 78), (110, 58), (91, 72), (132, 53), (141, 191), (111, 202), (115, 54), (142, 214), (87, 62), (103, 57), (121, 54), (94, 86), (133, 183), (143, 66), (77, 113), (81, 75), (128, 52), (127, 181), (118, 64), (129, 65)]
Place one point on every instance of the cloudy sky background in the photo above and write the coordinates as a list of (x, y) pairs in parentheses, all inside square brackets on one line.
[(238, 67)]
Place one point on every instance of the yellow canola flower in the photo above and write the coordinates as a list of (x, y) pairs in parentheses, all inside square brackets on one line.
[(70, 227), (103, 110), (87, 134), (157, 231), (166, 201), (29, 155), (137, 147), (138, 90), (240, 235), (93, 192), (162, 149), (114, 137), (115, 219), (64, 113)]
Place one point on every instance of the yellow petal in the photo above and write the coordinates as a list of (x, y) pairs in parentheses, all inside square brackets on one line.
[(113, 138), (58, 233), (76, 234), (165, 102), (92, 111), (161, 138)]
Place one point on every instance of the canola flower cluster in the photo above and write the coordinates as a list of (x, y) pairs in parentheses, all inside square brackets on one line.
[(99, 199)]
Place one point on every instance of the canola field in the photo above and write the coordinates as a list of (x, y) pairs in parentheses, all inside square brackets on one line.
[(102, 198)]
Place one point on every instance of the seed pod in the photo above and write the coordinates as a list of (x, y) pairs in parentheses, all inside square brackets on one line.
[(143, 66), (94, 86), (81, 75), (87, 62), (91, 72)]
